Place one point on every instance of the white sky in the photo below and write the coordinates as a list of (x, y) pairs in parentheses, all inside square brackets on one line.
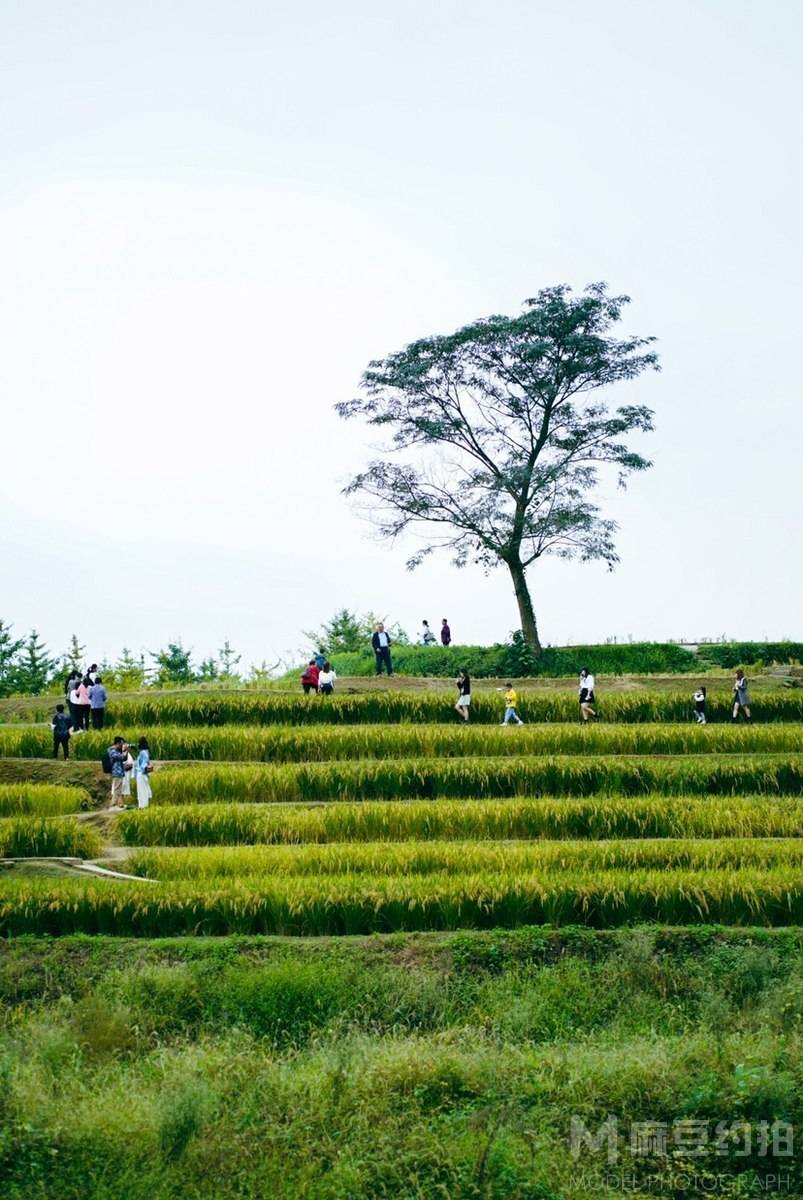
[(215, 214)]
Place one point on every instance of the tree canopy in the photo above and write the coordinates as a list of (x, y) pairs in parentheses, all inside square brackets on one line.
[(508, 431)]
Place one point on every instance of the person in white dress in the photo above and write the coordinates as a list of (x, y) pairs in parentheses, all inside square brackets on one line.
[(142, 771)]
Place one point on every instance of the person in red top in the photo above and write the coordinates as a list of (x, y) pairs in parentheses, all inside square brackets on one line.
[(309, 680)]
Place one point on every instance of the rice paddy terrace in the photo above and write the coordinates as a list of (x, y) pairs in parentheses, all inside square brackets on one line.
[(642, 817), (377, 813)]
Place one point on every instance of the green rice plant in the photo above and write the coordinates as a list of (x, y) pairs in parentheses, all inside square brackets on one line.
[(482, 778), (363, 904), (40, 799), (401, 820), (465, 858), (388, 707), (37, 837), (282, 744)]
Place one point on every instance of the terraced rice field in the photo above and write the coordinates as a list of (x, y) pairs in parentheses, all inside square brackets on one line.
[(563, 923), (636, 819)]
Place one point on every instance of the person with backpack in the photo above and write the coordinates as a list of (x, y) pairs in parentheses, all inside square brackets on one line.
[(143, 770), (113, 763), (61, 725), (97, 702), (319, 659), (309, 680), (426, 637)]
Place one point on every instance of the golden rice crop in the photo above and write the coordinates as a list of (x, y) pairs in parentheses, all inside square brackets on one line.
[(461, 858), (40, 799), (280, 744), (286, 708), (36, 837), (362, 904), (482, 778), (401, 820)]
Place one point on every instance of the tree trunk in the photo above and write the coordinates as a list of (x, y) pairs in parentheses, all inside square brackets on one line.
[(524, 601)]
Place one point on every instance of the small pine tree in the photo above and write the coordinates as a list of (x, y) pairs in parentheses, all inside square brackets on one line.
[(34, 668), (208, 670), (75, 656), (174, 665), (228, 661), (9, 649), (128, 673)]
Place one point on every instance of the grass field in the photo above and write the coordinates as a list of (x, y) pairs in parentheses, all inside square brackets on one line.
[(371, 953)]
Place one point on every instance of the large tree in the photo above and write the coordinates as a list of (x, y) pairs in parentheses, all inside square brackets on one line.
[(509, 415)]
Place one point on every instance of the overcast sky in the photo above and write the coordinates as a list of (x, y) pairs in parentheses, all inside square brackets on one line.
[(215, 214)]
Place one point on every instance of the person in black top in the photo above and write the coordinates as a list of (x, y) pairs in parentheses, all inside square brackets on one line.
[(463, 695), (380, 643), (61, 725)]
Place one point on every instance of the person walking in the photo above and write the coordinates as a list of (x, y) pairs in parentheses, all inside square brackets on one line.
[(463, 695), (319, 660), (60, 725), (446, 633), (586, 690), (511, 701), (84, 706), (116, 755), (309, 680), (143, 770), (381, 647), (426, 637), (97, 702), (741, 697), (326, 679), (699, 706)]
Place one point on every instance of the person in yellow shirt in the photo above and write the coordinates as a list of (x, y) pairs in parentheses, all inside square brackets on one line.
[(511, 700)]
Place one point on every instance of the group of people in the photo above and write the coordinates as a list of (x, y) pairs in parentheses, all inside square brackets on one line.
[(427, 638), (120, 764), (741, 701), (587, 699), (319, 676), (86, 699)]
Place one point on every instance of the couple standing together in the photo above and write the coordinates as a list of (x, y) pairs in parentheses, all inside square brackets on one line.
[(122, 764)]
